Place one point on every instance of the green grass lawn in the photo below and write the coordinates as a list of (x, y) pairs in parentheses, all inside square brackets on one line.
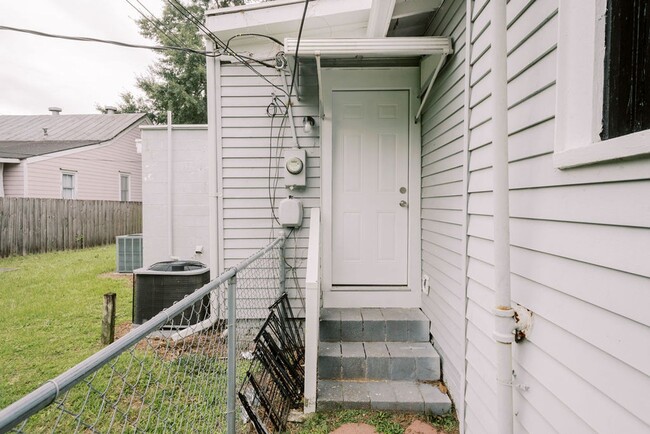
[(50, 314)]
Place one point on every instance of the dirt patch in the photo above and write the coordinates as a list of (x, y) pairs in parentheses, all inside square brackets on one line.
[(118, 276), (419, 427), (5, 270), (355, 428)]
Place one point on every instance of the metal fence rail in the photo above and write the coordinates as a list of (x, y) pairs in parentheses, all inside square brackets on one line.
[(168, 374)]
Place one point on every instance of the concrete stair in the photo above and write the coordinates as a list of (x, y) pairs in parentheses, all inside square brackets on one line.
[(378, 359)]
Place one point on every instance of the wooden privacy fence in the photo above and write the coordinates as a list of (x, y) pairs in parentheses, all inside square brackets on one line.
[(33, 225)]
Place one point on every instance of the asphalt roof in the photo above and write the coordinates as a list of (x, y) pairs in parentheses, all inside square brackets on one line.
[(32, 135)]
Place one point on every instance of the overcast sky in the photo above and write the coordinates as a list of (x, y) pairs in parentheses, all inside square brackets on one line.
[(38, 72)]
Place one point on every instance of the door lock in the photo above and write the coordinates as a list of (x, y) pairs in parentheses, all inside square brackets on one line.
[(403, 203)]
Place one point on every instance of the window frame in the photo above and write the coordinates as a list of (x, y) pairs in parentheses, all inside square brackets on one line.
[(579, 97), (73, 174), (128, 186)]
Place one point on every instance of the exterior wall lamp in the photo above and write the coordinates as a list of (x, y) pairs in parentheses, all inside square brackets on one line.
[(308, 124)]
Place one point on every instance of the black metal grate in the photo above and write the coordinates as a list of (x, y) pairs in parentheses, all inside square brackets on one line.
[(274, 382)]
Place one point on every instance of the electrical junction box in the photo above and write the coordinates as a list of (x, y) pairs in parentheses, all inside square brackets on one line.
[(295, 168), (290, 213)]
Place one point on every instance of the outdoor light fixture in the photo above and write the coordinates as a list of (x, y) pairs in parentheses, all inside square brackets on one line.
[(308, 123)]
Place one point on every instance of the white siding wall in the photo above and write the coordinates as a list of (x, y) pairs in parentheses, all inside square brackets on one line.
[(579, 254), (13, 180), (442, 197), (245, 131), (189, 194), (98, 171)]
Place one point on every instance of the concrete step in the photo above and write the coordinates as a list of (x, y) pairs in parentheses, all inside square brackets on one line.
[(378, 361), (373, 325), (382, 395)]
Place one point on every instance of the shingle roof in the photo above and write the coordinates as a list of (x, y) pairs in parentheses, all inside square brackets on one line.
[(25, 136)]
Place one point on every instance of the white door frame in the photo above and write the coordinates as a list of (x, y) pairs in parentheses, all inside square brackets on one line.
[(398, 78)]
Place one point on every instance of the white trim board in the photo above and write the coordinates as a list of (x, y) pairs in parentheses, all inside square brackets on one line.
[(580, 78), (334, 79)]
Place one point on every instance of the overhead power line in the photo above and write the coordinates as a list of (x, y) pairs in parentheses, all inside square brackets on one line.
[(110, 42), (153, 22)]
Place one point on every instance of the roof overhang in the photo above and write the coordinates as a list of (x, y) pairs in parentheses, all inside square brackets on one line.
[(369, 47), (9, 160), (433, 50)]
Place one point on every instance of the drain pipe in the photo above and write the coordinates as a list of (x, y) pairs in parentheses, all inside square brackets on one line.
[(170, 186), (503, 314)]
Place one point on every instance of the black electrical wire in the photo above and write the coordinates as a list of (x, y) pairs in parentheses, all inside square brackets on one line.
[(218, 42), (108, 41), (295, 68), (171, 39), (252, 34)]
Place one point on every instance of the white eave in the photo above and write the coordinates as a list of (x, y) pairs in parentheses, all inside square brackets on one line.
[(369, 47), (9, 160)]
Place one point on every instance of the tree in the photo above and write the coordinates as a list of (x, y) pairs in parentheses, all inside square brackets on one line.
[(177, 81)]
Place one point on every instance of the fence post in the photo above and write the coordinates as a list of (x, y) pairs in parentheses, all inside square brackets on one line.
[(232, 354), (282, 271), (108, 319)]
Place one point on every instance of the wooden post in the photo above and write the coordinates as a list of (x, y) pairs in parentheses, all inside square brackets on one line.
[(108, 319)]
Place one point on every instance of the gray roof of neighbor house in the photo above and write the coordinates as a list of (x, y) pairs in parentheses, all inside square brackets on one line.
[(32, 135)]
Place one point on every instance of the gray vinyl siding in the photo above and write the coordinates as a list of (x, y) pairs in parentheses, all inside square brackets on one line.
[(442, 198), (579, 239), (245, 135)]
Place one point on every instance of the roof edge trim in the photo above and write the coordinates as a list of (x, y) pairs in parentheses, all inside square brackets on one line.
[(370, 47)]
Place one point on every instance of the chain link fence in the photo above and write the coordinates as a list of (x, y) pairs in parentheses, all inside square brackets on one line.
[(178, 372)]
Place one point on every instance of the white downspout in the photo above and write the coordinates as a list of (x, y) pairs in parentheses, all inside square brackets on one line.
[(2, 182), (503, 313), (170, 205)]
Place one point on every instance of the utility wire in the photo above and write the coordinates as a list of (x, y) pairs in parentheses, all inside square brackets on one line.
[(108, 41), (170, 38), (219, 43), (295, 67)]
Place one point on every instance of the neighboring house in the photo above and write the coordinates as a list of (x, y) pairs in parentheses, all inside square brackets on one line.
[(89, 157), (174, 193), (500, 192)]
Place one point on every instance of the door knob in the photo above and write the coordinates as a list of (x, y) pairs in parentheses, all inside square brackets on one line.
[(403, 203)]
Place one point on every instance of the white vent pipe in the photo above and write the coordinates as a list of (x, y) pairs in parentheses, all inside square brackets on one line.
[(503, 313)]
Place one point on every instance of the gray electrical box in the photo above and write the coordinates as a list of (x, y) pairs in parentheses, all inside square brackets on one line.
[(295, 168)]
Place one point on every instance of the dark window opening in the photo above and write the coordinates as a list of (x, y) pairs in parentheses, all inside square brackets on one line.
[(626, 96)]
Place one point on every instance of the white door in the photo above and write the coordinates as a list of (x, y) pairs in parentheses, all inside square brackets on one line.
[(370, 188)]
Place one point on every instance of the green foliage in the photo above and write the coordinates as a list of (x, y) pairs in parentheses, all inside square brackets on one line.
[(177, 81), (383, 422), (51, 313)]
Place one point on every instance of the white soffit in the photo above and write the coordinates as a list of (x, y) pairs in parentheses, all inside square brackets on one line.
[(369, 47)]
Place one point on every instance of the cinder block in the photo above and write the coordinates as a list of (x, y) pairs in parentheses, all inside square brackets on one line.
[(418, 331), (329, 360), (330, 325), (435, 402), (382, 395), (353, 360), (377, 360), (351, 325), (409, 397), (374, 325), (329, 395), (402, 362), (355, 395)]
